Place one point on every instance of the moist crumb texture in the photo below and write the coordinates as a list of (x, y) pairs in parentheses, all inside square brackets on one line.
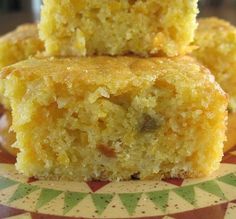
[(216, 42), (15, 46), (20, 44), (117, 118), (118, 27)]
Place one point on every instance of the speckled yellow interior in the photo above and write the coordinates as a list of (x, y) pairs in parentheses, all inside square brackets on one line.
[(115, 118), (116, 27)]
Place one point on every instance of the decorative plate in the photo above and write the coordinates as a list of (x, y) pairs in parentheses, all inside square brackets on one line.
[(213, 197)]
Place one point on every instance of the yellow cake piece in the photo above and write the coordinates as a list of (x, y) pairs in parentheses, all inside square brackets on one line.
[(216, 42), (118, 27), (20, 44), (113, 118), (16, 46)]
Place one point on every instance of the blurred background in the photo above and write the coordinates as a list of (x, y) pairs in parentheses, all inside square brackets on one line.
[(15, 12)]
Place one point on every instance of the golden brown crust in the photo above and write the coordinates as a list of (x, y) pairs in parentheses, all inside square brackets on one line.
[(117, 73)]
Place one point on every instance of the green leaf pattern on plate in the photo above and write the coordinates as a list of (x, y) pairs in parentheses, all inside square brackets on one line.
[(46, 196), (72, 199), (101, 201), (22, 191), (129, 200)]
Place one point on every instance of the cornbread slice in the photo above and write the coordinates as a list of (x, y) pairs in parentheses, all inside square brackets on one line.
[(20, 44), (115, 118), (16, 46), (118, 27), (216, 41)]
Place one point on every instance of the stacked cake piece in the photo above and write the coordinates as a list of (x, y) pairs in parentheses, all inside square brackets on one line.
[(84, 27), (114, 97), (15, 46), (216, 49)]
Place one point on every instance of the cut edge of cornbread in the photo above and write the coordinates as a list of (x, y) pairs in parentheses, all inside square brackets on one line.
[(110, 118)]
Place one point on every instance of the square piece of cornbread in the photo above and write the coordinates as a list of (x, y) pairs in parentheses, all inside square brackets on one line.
[(20, 44), (216, 49), (118, 27), (15, 46), (110, 118)]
